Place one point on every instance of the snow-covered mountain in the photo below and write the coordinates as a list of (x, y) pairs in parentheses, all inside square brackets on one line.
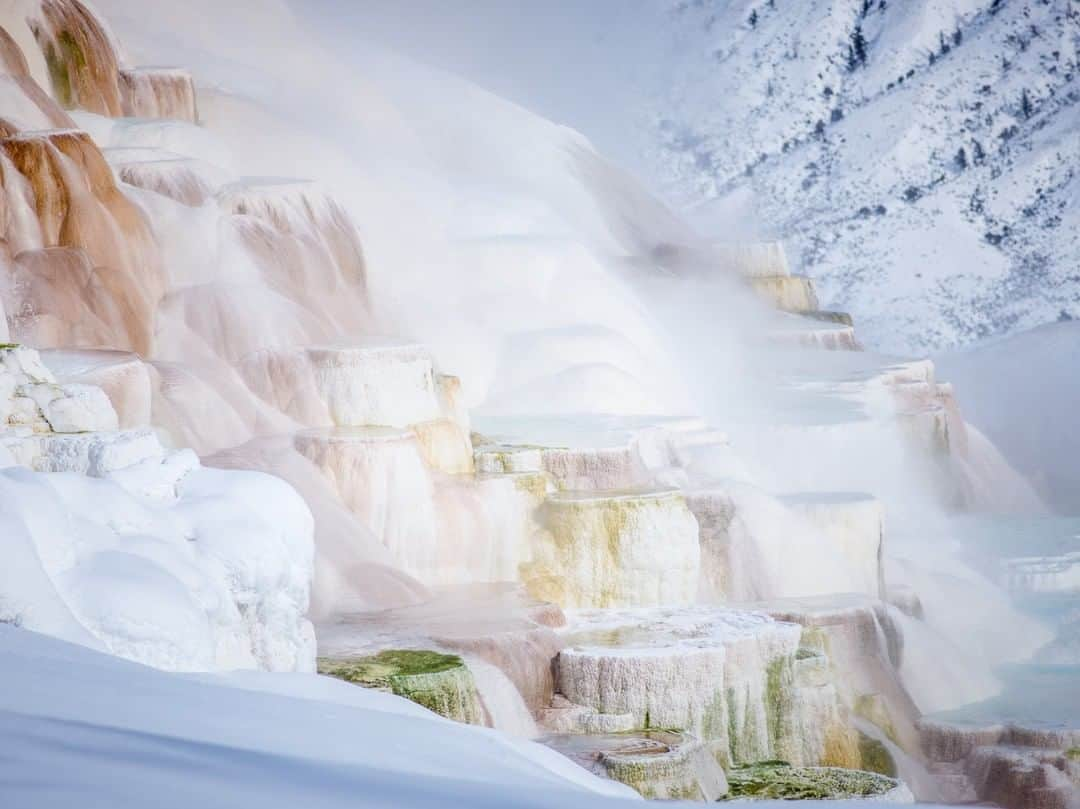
[(919, 158)]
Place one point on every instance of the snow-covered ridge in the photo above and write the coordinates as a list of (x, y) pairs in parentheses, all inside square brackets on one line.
[(140, 551), (914, 156)]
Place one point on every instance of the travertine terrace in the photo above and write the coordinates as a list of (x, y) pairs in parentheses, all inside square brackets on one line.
[(532, 529)]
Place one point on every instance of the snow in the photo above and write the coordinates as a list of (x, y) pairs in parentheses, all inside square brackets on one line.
[(504, 248), (211, 573), (78, 723), (718, 105)]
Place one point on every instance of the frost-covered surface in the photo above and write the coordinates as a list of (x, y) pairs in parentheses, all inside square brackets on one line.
[(214, 577), (249, 739), (661, 765), (111, 541), (914, 156), (723, 675)]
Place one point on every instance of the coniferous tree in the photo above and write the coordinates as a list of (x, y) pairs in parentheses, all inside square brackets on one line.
[(857, 50), (859, 43)]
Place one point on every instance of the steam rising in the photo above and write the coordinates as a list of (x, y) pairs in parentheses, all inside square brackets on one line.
[(581, 392)]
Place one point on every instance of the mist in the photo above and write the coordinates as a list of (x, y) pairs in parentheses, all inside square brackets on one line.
[(390, 362)]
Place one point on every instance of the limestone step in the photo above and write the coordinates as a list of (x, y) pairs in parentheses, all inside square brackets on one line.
[(808, 333), (757, 546), (376, 381), (123, 376), (777, 780), (158, 92), (564, 717), (952, 782), (615, 548), (440, 682), (840, 318), (725, 676), (496, 623), (178, 137), (751, 259), (380, 474), (183, 179), (789, 293), (658, 764), (588, 451), (864, 646)]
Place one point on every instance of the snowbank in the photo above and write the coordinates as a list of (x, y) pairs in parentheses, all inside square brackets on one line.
[(79, 723), (216, 578)]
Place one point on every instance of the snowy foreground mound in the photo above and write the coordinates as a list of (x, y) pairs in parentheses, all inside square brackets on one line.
[(217, 579), (73, 722), (116, 543)]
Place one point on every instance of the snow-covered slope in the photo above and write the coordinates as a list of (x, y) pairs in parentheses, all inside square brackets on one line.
[(79, 727), (918, 157)]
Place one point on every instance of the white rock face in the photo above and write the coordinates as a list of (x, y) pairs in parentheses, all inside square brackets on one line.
[(376, 382), (30, 396), (863, 648), (725, 676), (627, 548), (74, 408), (380, 475), (123, 377), (217, 578), (442, 529), (96, 454)]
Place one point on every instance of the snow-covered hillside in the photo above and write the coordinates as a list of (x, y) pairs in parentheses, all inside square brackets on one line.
[(918, 157)]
